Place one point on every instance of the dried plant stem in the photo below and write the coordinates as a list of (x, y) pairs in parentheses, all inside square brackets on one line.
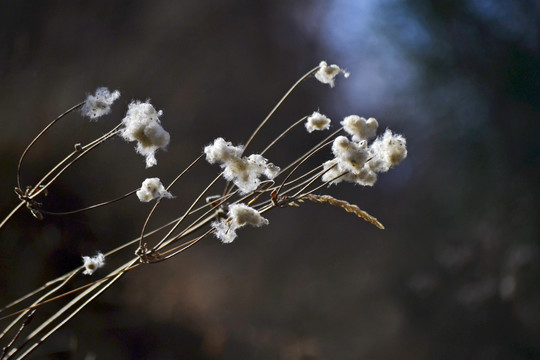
[(118, 273), (302, 160), (203, 193), (38, 188), (158, 201), (89, 207), (177, 250), (283, 134), (68, 275), (38, 302), (325, 142), (38, 136), (280, 102), (84, 150), (29, 318), (308, 74), (15, 209)]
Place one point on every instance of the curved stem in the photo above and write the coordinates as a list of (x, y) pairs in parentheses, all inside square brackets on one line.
[(317, 147), (89, 207), (11, 213), (157, 247), (308, 74), (299, 163), (283, 134), (38, 136), (85, 150), (158, 201), (117, 274)]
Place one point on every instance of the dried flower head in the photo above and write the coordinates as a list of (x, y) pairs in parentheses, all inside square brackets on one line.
[(317, 121), (360, 128), (222, 151), (151, 189), (351, 156), (244, 172), (100, 103), (91, 264), (359, 163), (387, 151), (239, 215), (327, 74), (142, 124)]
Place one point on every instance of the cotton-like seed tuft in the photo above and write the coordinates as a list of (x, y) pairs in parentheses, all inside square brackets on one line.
[(100, 103), (360, 128), (244, 172), (142, 124), (317, 121), (151, 189), (91, 264), (359, 163), (239, 215), (327, 73)]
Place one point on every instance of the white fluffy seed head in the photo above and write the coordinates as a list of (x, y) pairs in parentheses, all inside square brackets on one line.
[(360, 128), (224, 232), (261, 166), (359, 163), (337, 173), (221, 151), (142, 124), (327, 73), (100, 103), (351, 156), (244, 172), (151, 189), (332, 172), (317, 121), (387, 151), (239, 215), (365, 177), (93, 263), (242, 215)]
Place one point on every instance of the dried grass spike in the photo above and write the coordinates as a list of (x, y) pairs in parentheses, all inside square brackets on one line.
[(346, 206)]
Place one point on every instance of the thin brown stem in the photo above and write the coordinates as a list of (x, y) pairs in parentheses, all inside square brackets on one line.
[(158, 201), (280, 102), (317, 147), (180, 248), (308, 74), (187, 212), (89, 207), (15, 209), (117, 274), (39, 187), (303, 160), (283, 134), (29, 318), (38, 136)]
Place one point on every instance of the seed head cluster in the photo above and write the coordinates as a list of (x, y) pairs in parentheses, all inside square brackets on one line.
[(142, 124), (151, 189), (92, 263), (244, 172), (239, 215), (317, 121), (100, 103), (357, 162), (327, 73)]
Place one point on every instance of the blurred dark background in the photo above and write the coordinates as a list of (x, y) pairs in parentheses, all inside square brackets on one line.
[(455, 275)]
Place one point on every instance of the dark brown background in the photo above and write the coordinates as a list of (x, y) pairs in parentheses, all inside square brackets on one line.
[(458, 78)]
